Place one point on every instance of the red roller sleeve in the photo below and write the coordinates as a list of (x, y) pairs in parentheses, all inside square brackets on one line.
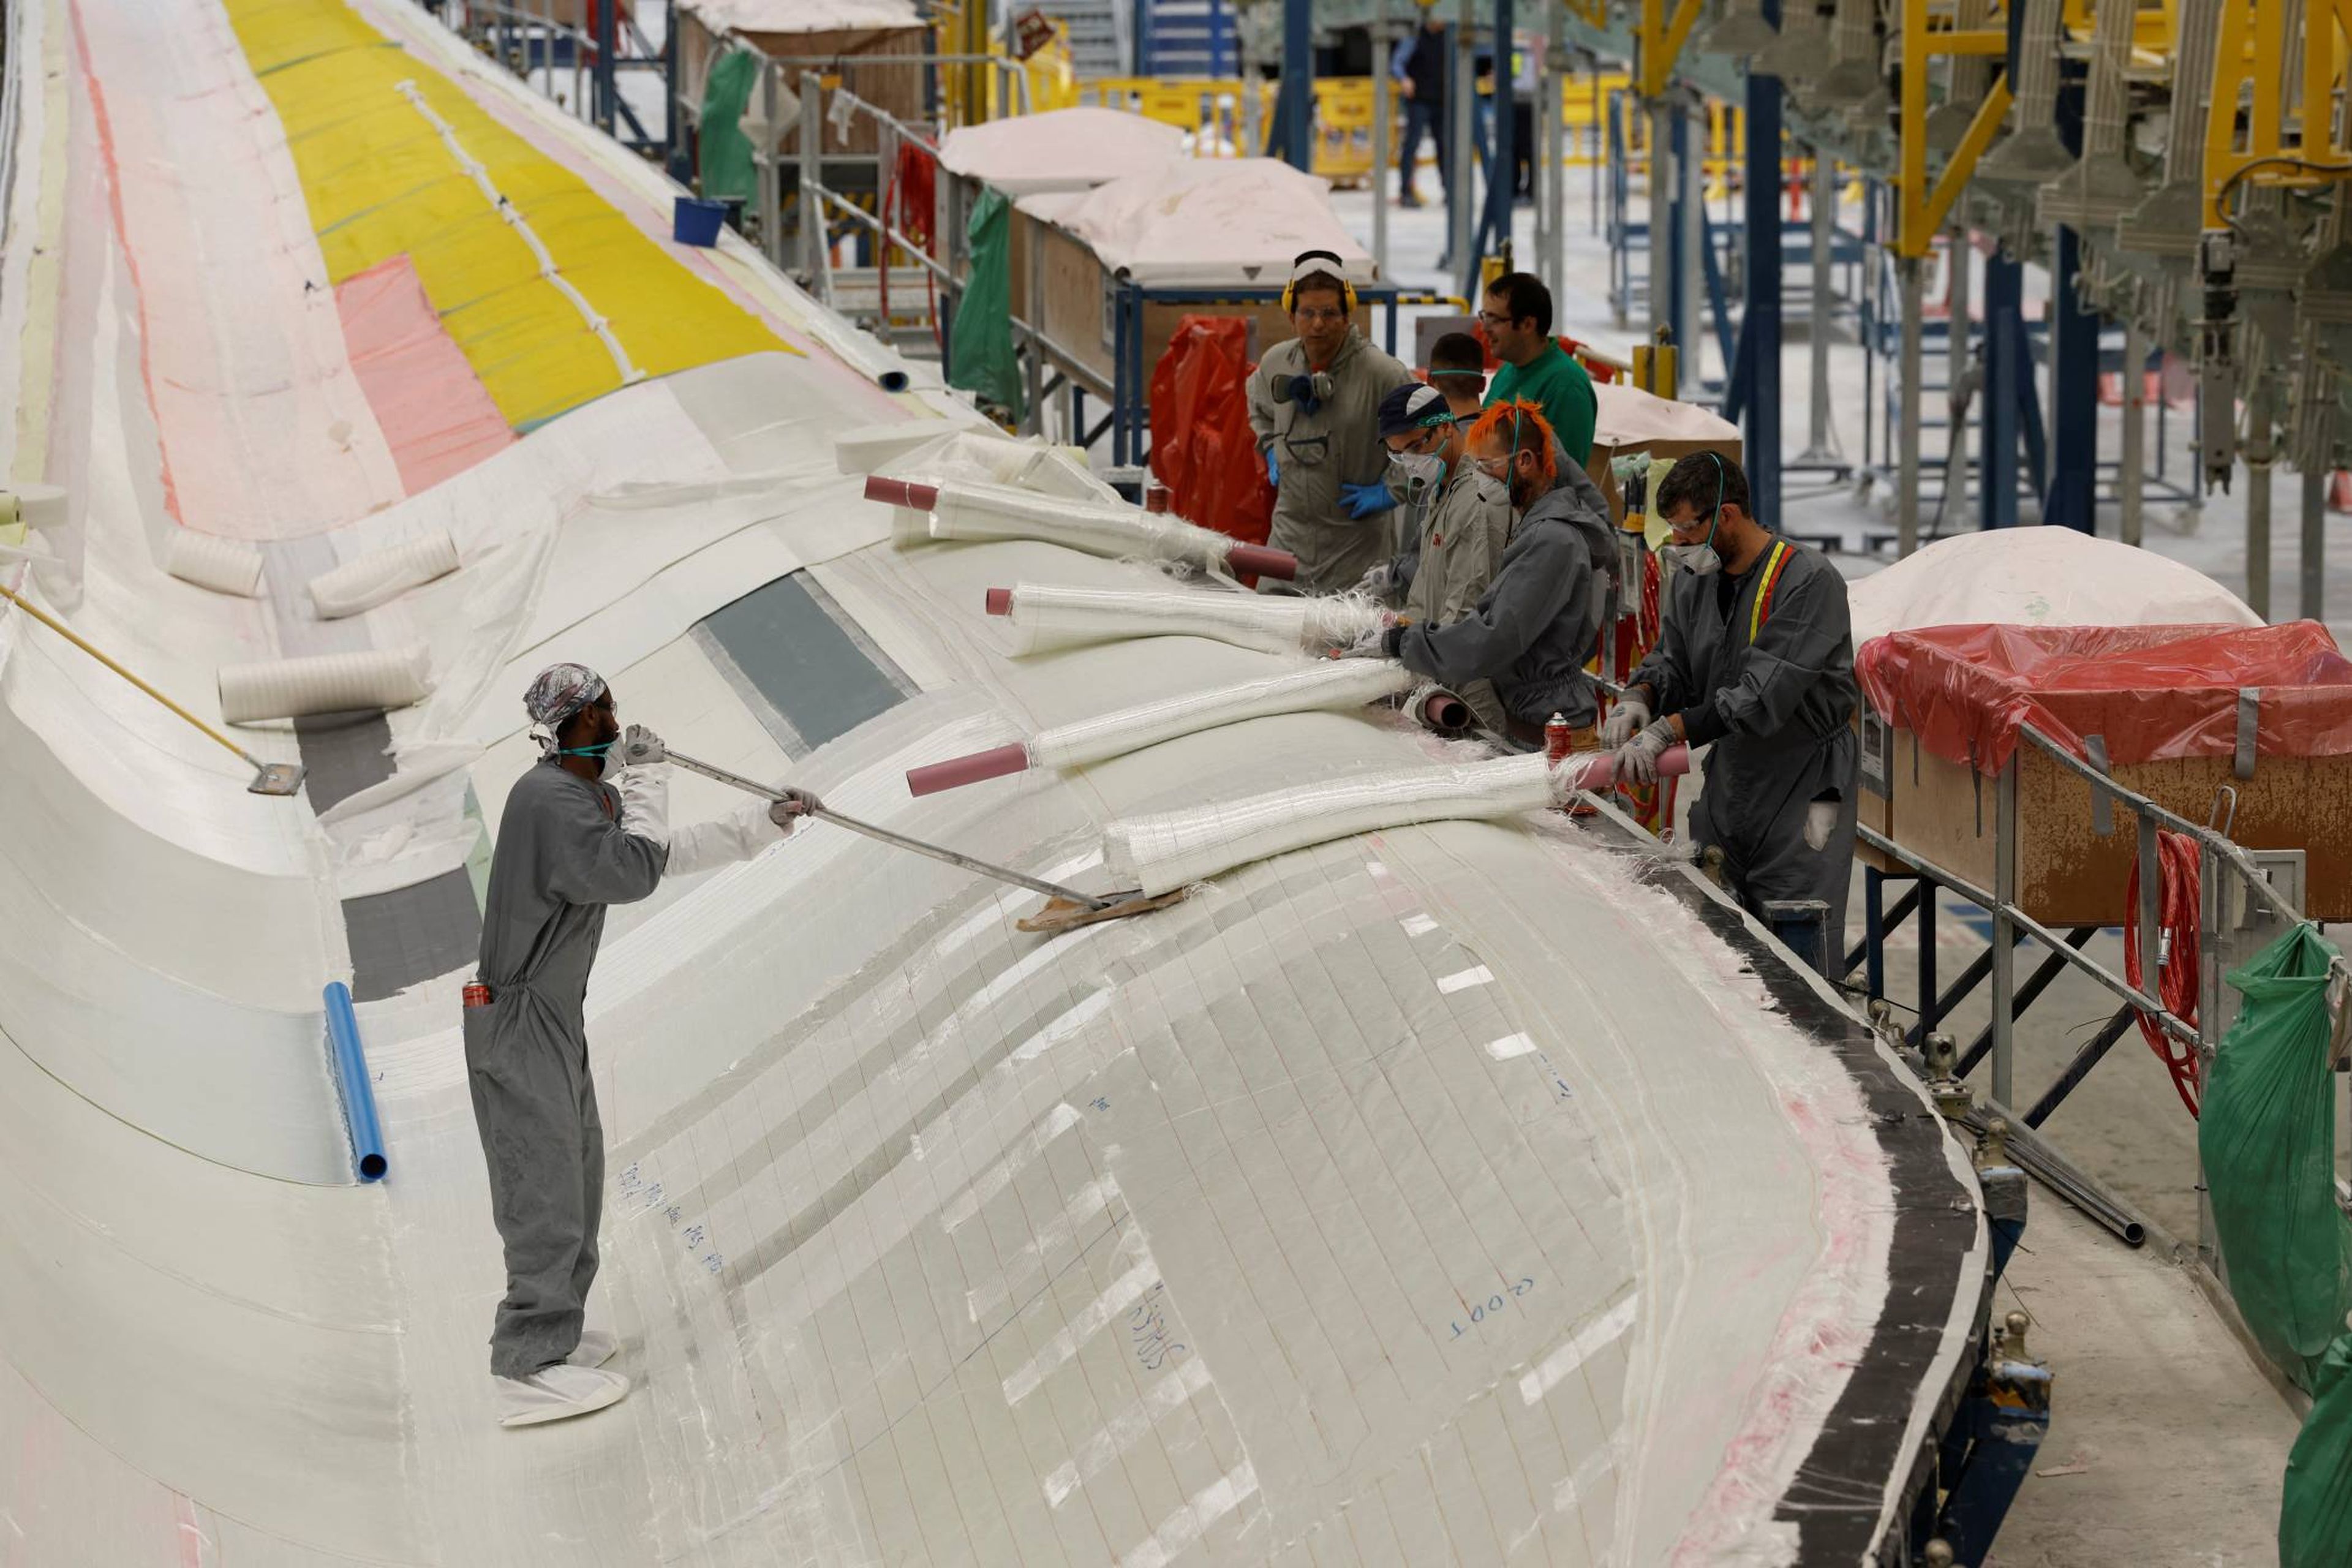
[(956, 772), (1599, 769), (900, 492), (999, 601), (1280, 564)]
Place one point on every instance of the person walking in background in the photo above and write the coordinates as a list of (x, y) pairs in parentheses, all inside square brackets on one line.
[(1419, 67)]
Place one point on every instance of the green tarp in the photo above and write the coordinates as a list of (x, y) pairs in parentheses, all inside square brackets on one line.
[(727, 172), (2267, 1136), (980, 346)]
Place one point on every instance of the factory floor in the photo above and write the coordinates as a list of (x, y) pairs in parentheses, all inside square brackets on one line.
[(2168, 1441)]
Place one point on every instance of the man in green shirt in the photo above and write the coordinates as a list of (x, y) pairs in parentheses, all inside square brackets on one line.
[(1518, 318)]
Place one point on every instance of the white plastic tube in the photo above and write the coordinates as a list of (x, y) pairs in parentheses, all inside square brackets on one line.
[(962, 509), (325, 683), (1047, 615), (1162, 853), (382, 575), (224, 565)]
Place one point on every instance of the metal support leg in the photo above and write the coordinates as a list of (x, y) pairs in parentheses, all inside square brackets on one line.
[(2004, 931), (1911, 271), (812, 222), (1461, 142), (2004, 283), (2130, 477), (1759, 327), (771, 202), (1382, 105), (1552, 202), (1927, 929), (2077, 1069), (1665, 286), (2259, 451), (2312, 597), (1294, 101), (1817, 453), (1873, 933), (2073, 496), (1959, 344)]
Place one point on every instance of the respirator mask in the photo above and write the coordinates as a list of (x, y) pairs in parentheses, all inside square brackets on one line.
[(1700, 560), (1310, 392)]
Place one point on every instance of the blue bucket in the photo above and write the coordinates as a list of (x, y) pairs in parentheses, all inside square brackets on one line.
[(697, 222)]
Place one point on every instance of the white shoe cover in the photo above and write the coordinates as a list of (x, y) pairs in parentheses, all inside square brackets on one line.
[(556, 1393), (595, 1348)]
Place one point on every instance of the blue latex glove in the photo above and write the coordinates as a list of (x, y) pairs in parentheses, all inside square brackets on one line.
[(1367, 500), (1273, 469)]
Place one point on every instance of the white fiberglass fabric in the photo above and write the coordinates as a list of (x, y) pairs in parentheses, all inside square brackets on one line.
[(1167, 850), (1206, 220), (1060, 150), (969, 511), (1344, 684), (1060, 614)]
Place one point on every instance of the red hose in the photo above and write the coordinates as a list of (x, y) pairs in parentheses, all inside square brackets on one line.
[(2176, 919)]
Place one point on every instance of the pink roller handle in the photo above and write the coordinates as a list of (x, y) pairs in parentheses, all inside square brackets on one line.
[(1599, 769), (901, 492), (1279, 564), (956, 772), (999, 601)]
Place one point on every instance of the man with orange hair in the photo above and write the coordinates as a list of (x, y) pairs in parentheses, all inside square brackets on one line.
[(1537, 617)]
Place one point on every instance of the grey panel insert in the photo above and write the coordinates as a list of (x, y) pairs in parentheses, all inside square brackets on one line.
[(818, 676), (411, 934)]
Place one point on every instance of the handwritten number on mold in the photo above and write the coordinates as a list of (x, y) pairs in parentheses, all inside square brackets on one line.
[(1482, 1310), (1147, 1331)]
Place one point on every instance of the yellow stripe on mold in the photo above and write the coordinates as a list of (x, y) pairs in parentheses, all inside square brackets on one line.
[(383, 179)]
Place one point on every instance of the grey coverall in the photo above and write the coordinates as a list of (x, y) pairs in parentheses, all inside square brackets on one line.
[(561, 856), (1462, 540), (1777, 713), (1538, 620), (1316, 452)]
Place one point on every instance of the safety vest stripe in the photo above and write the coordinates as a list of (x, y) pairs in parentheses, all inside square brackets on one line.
[(1762, 609)]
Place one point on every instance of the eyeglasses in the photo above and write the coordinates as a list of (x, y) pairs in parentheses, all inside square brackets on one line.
[(1317, 314), (1490, 321)]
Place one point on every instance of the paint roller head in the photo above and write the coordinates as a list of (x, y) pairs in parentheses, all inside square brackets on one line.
[(901, 492), (999, 601), (275, 778), (1279, 564), (956, 772)]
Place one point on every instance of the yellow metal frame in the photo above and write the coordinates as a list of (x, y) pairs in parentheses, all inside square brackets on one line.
[(2250, 67), (1662, 37), (1921, 208)]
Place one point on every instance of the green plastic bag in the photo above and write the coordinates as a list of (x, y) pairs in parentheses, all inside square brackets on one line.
[(2268, 1141), (727, 174), (2316, 1506), (980, 346)]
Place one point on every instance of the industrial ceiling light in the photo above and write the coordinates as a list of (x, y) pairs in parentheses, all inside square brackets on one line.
[(1742, 30)]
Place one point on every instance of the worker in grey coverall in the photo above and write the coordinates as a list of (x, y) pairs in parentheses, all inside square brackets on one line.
[(1465, 519), (1311, 403), (1538, 620), (1755, 661), (584, 829)]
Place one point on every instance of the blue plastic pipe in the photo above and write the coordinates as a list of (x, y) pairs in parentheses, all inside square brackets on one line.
[(351, 1077)]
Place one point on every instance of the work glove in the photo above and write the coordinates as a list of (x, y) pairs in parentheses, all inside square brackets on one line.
[(1366, 501), (1629, 715), (796, 804), (1380, 583), (1637, 759), (639, 747), (1820, 821), (1273, 468), (1373, 642)]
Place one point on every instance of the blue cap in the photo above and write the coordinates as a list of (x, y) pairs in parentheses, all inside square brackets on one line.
[(1415, 405)]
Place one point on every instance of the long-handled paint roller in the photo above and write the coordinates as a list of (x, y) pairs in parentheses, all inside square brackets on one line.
[(1065, 907), (269, 778)]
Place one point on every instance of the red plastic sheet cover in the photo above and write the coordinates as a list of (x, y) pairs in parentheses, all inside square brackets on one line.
[(435, 413), (2150, 691), (1203, 448)]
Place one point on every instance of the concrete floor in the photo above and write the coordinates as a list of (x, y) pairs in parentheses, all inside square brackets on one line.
[(2168, 1442)]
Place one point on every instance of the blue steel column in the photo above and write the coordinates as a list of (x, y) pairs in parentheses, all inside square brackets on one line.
[(1500, 176), (1759, 322), (2004, 341), (606, 91), (1677, 231), (2071, 500), (1293, 110)]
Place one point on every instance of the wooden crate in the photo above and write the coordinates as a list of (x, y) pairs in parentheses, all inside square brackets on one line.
[(2067, 874)]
